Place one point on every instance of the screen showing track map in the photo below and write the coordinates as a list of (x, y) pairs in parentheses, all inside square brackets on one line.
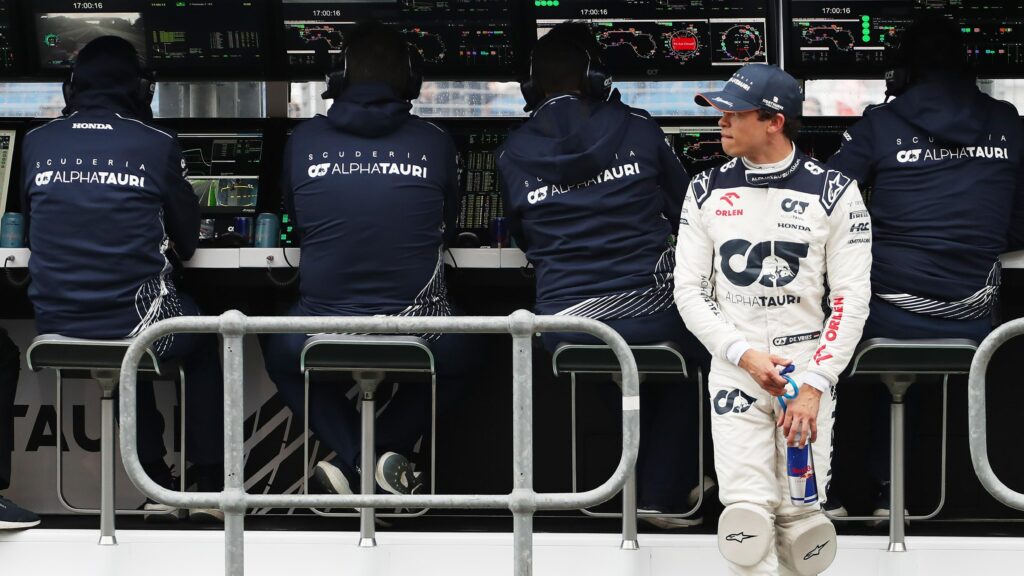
[(670, 38), (840, 38), (456, 38)]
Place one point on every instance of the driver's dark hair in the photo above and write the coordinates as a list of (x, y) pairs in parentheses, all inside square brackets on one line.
[(791, 129)]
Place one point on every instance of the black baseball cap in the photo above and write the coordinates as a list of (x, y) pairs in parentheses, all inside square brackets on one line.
[(757, 86)]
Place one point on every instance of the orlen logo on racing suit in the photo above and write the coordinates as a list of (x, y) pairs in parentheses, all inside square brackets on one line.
[(904, 156), (772, 264), (319, 170), (837, 317)]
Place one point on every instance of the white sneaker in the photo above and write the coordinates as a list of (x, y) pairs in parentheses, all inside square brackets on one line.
[(206, 515), (709, 485), (668, 523), (331, 478), (157, 512)]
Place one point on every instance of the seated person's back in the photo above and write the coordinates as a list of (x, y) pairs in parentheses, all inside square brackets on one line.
[(374, 192), (379, 194), (103, 193), (593, 194), (105, 197), (942, 162)]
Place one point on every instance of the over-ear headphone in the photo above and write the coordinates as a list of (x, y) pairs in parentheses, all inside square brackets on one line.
[(597, 82), (338, 79), (898, 76), (146, 88), (901, 70)]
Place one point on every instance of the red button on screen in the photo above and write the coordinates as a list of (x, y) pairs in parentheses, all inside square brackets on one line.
[(684, 44)]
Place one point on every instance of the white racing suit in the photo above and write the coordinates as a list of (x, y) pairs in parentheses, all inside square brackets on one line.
[(757, 254)]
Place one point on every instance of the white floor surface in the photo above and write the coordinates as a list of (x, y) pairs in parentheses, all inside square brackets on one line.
[(178, 553)]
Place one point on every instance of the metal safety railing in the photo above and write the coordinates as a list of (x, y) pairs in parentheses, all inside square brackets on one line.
[(522, 501), (977, 421)]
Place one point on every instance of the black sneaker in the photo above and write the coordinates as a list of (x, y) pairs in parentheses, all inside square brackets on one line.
[(394, 474), (14, 517), (163, 475), (834, 507), (882, 507)]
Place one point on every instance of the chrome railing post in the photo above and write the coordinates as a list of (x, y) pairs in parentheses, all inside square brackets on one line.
[(232, 326), (976, 414), (523, 499)]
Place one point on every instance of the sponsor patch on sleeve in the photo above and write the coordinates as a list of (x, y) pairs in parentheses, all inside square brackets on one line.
[(835, 184)]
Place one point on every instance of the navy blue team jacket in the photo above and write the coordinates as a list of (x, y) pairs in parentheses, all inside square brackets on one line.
[(374, 191), (943, 163), (102, 189), (593, 192)]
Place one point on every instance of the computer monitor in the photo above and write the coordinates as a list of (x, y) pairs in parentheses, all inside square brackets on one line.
[(668, 38), (10, 53), (456, 38), (224, 170), (820, 138), (185, 36), (481, 202), (855, 38), (699, 147)]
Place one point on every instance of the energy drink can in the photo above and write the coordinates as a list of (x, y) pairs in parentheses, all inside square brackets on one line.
[(803, 486), (267, 230), (12, 231), (243, 227), (499, 232)]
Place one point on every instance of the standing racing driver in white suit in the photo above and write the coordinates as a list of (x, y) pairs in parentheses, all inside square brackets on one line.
[(765, 243)]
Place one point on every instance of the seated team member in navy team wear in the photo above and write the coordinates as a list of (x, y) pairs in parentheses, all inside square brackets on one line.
[(757, 239), (593, 192), (943, 165), (106, 200), (374, 191), (12, 517)]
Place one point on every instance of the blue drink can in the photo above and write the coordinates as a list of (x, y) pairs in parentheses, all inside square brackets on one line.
[(243, 227), (803, 486), (268, 229), (499, 232), (12, 231)]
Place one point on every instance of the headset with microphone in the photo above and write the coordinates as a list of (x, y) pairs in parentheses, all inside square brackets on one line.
[(338, 79), (597, 82)]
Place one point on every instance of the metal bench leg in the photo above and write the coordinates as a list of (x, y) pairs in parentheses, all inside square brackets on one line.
[(368, 382), (433, 435), (630, 540), (107, 386), (897, 385), (183, 484)]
